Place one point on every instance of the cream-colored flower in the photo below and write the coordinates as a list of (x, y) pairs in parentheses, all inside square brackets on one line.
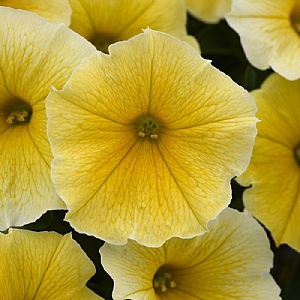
[(109, 21), (147, 139), (274, 170), (269, 32), (231, 261), (35, 54), (43, 266), (211, 11), (54, 11)]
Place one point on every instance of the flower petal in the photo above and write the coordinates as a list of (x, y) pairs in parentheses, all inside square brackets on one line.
[(54, 11), (208, 11), (43, 265)]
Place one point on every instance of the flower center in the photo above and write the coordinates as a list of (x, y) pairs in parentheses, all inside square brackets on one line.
[(19, 112), (17, 116), (297, 153), (101, 42), (295, 16), (162, 281), (147, 126)]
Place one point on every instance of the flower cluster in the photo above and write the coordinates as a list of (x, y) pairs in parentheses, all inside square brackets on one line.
[(110, 116), (274, 172)]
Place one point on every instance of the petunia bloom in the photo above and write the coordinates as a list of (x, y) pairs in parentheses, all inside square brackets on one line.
[(43, 265), (109, 21), (208, 11), (147, 139), (35, 54), (231, 261), (54, 11), (274, 170), (269, 32)]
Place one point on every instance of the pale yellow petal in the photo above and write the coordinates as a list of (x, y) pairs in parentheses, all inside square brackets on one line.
[(111, 179), (279, 109), (255, 8), (43, 265), (231, 261), (106, 22), (208, 11), (192, 41), (275, 196), (267, 35), (54, 11), (137, 278), (35, 54), (26, 190), (232, 258), (274, 174)]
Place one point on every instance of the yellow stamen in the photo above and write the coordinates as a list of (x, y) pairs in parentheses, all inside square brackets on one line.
[(141, 134), (162, 281), (17, 116), (163, 288)]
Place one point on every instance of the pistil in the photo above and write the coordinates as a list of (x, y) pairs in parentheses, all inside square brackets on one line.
[(148, 127)]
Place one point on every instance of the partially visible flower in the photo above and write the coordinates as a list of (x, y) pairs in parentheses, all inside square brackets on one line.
[(43, 265), (274, 170), (35, 54), (157, 135), (269, 32), (231, 261), (109, 21), (54, 11), (211, 11)]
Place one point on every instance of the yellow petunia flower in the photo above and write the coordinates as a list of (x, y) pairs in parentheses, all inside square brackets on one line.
[(211, 11), (35, 54), (274, 170), (157, 135), (54, 11), (109, 21), (269, 32), (43, 265), (231, 261)]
